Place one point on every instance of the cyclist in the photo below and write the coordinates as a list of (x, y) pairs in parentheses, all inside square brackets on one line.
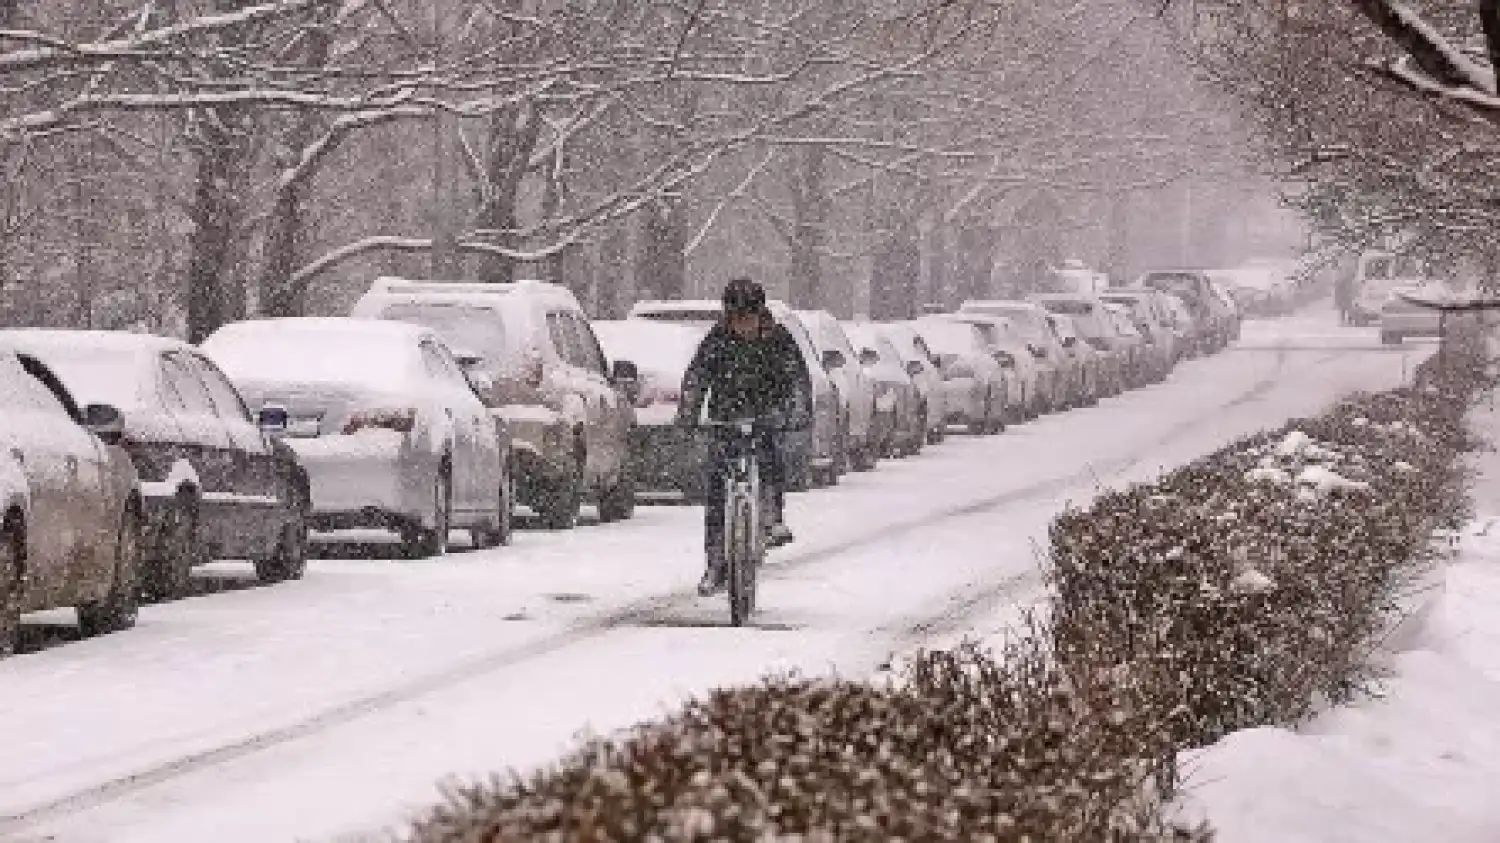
[(748, 367)]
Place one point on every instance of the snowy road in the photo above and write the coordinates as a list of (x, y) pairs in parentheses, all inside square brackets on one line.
[(330, 706)]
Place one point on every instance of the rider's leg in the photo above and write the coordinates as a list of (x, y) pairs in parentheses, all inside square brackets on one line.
[(773, 481), (715, 467)]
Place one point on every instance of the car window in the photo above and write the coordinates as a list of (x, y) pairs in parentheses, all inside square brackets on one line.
[(564, 339), (225, 399), (42, 391), (441, 367), (588, 346), (192, 395), (465, 327)]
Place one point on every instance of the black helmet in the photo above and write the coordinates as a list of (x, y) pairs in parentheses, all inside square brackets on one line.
[(741, 295)]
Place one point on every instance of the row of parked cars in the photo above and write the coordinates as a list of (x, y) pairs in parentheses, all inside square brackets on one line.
[(437, 408)]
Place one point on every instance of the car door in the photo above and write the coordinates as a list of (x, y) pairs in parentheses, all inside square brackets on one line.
[(205, 446), (613, 425), (41, 432), (256, 506), (450, 390), (583, 388)]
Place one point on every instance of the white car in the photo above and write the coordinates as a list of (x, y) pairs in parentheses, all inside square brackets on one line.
[(856, 389), (973, 383), (900, 418), (387, 426), (1028, 393), (918, 361), (1059, 379), (70, 505), (814, 457)]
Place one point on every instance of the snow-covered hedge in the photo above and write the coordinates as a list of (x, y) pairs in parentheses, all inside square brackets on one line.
[(1248, 588), (1236, 591)]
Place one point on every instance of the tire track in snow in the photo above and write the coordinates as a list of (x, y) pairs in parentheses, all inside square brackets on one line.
[(956, 608)]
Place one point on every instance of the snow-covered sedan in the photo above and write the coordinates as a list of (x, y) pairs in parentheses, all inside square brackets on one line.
[(70, 507), (855, 389), (918, 361), (1059, 379), (664, 456), (900, 418), (974, 385), (1027, 396), (215, 484), (391, 432)]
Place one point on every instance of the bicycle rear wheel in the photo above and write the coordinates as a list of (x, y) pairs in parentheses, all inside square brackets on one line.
[(740, 561)]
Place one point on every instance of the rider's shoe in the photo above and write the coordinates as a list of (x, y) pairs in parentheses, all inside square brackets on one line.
[(712, 582), (778, 534)]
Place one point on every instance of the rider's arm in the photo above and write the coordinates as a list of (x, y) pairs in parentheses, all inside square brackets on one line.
[(794, 369), (697, 379)]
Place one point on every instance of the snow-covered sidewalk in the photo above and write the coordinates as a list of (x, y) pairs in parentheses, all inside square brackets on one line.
[(1419, 762)]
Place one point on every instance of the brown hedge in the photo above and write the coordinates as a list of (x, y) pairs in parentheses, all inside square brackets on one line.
[(1068, 733)]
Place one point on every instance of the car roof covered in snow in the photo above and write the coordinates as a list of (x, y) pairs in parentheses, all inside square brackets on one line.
[(474, 292), (120, 342), (660, 347)]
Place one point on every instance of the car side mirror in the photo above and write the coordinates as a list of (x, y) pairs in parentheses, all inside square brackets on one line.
[(868, 357), (914, 367), (480, 382), (1038, 352), (273, 419), (1005, 360), (626, 376), (833, 359), (105, 422), (1069, 342), (467, 359)]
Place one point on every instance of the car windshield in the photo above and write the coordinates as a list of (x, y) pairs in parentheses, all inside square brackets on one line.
[(465, 328)]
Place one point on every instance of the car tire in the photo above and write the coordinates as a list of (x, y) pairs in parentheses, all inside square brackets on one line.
[(120, 608), (12, 557), (499, 533), (617, 503), (174, 552), (800, 475), (558, 501), (841, 459), (418, 542), (288, 561)]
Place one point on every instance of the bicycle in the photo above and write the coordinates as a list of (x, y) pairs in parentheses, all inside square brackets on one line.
[(744, 532)]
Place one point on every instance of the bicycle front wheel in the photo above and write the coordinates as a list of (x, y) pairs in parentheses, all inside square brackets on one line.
[(740, 559)]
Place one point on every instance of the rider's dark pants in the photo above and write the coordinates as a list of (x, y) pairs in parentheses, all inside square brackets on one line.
[(716, 469)]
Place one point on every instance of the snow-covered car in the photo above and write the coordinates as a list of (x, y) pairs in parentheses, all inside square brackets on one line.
[(542, 371), (1149, 314), (215, 483), (664, 456), (1259, 290), (918, 361), (1026, 395), (1082, 357), (1094, 329), (1401, 317), (1060, 379), (1185, 331), (1134, 343), (389, 429), (1214, 319), (70, 506), (900, 418), (974, 385), (814, 457), (855, 389)]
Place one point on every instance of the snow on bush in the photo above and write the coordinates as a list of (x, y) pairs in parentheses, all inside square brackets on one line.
[(1212, 600)]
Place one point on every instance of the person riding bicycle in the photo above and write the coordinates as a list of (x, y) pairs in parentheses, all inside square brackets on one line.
[(747, 367)]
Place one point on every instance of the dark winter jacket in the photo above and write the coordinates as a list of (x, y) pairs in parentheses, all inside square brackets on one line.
[(763, 379)]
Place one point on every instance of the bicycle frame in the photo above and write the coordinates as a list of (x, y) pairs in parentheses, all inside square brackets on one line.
[(744, 534)]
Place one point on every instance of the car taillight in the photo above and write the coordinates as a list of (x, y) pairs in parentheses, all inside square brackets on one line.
[(402, 420)]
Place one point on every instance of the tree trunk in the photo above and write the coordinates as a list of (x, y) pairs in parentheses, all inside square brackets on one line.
[(279, 296), (513, 136), (896, 270), (662, 265), (215, 290), (809, 227)]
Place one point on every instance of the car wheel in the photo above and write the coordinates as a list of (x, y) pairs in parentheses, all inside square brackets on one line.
[(499, 533), (840, 449), (418, 542), (617, 503), (800, 475), (119, 609), (174, 551), (289, 560), (12, 553), (558, 500), (863, 457)]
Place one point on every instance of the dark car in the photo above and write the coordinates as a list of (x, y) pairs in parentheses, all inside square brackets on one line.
[(214, 482)]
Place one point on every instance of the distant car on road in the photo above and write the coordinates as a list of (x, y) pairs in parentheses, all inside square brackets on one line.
[(70, 505), (388, 428), (215, 484)]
